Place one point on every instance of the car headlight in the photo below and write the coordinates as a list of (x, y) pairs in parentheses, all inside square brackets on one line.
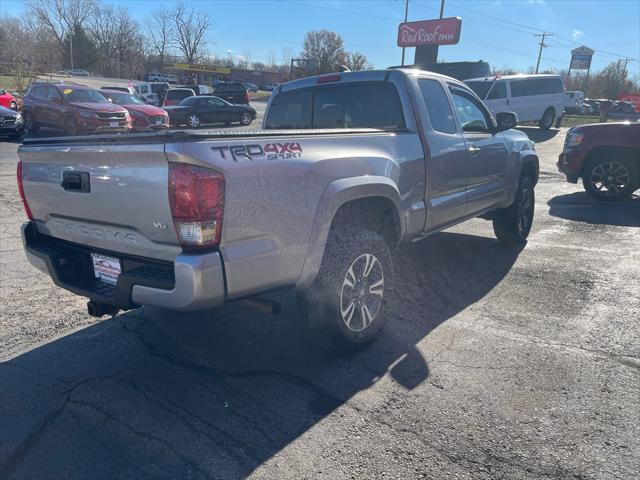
[(573, 139), (18, 118), (86, 114)]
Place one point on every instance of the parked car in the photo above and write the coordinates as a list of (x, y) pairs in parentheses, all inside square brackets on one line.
[(198, 110), (270, 87), (624, 107), (78, 72), (11, 123), (120, 88), (533, 98), (587, 108), (76, 108), (144, 117), (152, 92), (172, 79), (606, 156), (251, 87), (574, 101), (192, 221), (197, 89), (232, 92), (176, 95), (7, 100)]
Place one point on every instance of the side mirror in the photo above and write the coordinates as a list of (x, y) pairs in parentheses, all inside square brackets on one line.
[(505, 121)]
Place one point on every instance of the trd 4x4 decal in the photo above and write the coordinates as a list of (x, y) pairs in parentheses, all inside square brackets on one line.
[(272, 151)]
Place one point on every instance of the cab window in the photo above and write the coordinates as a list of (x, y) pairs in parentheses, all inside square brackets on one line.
[(471, 115)]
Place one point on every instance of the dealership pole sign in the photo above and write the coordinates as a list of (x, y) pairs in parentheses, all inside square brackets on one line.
[(581, 58), (441, 31)]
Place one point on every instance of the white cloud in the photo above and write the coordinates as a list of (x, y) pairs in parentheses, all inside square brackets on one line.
[(576, 34)]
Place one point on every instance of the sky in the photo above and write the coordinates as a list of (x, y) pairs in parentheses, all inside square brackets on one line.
[(500, 32)]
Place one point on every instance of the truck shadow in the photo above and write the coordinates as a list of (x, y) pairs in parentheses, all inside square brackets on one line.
[(536, 134), (218, 393), (579, 206)]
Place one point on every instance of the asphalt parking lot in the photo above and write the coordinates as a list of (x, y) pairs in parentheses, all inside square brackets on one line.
[(497, 363)]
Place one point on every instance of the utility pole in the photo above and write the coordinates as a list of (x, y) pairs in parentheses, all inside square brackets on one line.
[(542, 45), (406, 14), (71, 48)]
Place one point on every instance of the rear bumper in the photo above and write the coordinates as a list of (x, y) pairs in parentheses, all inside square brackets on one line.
[(192, 282)]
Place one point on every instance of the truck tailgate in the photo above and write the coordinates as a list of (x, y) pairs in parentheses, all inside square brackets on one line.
[(115, 197)]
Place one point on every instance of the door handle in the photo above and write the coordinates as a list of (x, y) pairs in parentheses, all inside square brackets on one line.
[(472, 149)]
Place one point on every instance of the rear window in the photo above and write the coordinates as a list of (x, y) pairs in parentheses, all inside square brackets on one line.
[(230, 87), (366, 105), (179, 94)]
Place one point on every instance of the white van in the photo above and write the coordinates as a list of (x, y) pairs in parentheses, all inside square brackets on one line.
[(574, 102), (151, 92), (533, 98)]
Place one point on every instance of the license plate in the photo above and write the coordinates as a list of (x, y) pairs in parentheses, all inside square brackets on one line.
[(114, 124), (106, 268)]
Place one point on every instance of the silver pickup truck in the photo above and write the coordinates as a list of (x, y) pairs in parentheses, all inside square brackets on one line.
[(347, 168)]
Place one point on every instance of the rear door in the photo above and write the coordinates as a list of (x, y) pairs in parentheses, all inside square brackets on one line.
[(57, 108), (497, 100), (486, 152), (218, 111)]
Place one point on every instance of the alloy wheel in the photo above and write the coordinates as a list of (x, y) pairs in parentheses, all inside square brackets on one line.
[(610, 178), (245, 119), (194, 120), (525, 211), (362, 292)]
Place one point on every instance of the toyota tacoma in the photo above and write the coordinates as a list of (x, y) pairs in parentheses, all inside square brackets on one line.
[(346, 168)]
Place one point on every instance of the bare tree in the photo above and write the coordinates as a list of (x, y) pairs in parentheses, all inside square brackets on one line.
[(60, 16), (190, 28), (325, 48), (160, 32), (357, 61)]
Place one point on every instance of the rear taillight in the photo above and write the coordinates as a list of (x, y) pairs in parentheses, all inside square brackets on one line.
[(246, 97), (196, 196), (21, 190)]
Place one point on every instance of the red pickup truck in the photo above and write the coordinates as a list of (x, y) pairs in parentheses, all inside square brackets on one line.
[(607, 158)]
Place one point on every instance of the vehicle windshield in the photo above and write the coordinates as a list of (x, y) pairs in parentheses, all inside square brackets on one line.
[(83, 95), (480, 88), (123, 98)]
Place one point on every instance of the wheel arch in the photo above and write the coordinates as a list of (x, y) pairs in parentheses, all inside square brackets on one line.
[(365, 200), (629, 153)]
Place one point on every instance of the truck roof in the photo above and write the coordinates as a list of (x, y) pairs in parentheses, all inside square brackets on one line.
[(359, 76)]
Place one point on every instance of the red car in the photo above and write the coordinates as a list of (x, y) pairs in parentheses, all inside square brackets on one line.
[(76, 108), (7, 100), (606, 156), (145, 117)]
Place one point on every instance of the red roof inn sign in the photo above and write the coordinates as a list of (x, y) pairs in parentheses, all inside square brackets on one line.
[(442, 31)]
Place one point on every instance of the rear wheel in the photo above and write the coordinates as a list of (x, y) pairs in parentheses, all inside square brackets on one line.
[(245, 118), (193, 120), (546, 122), (609, 178), (513, 224), (30, 124), (346, 303)]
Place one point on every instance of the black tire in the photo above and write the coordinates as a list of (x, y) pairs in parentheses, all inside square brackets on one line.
[(193, 120), (342, 317), (610, 178), (245, 119), (548, 117), (30, 124), (513, 224), (71, 127)]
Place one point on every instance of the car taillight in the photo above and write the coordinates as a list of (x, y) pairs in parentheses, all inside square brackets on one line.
[(196, 196), (246, 97), (21, 190)]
